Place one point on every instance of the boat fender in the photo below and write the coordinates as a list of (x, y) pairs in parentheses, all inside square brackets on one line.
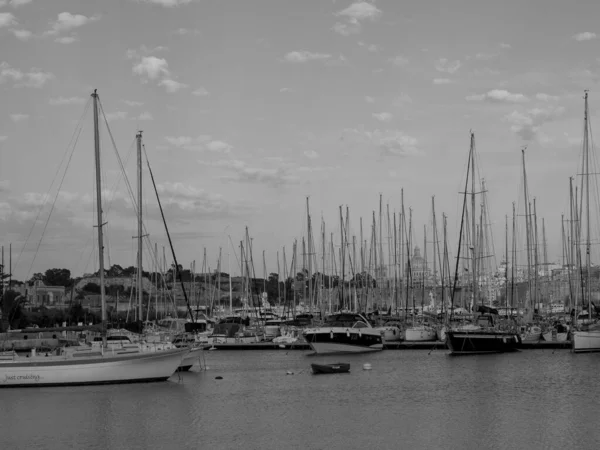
[(504, 340), (347, 332), (359, 333), (331, 334), (516, 339)]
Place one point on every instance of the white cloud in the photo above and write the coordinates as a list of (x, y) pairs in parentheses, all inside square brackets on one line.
[(285, 89), (398, 61), (7, 20), (179, 141), (527, 124), (132, 103), (3, 138), (67, 21), (546, 97), (17, 3), (151, 67), (304, 56), (66, 39), (166, 3), (383, 116), (402, 100), (218, 146), (361, 11), (185, 31), (346, 29), (499, 96), (117, 115), (389, 142), (585, 36), (242, 173), (201, 92), (444, 65), (339, 61), (311, 154), (505, 45), (484, 56), (34, 78), (59, 101), (369, 99), (145, 116), (172, 86), (19, 117), (442, 81), (370, 47), (22, 35)]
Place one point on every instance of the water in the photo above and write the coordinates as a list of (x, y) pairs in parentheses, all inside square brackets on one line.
[(410, 399)]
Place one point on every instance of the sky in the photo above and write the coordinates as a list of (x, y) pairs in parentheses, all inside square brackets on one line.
[(249, 107)]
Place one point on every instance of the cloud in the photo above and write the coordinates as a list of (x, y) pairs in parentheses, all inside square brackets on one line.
[(304, 56), (66, 39), (369, 99), (60, 101), (18, 117), (179, 141), (398, 61), (2, 139), (360, 11), (67, 21), (186, 31), (383, 116), (145, 116), (201, 143), (151, 67), (527, 124), (505, 45), (7, 20), (370, 47), (167, 3), (172, 86), (117, 115), (339, 61), (585, 36), (546, 97), (34, 79), (311, 154), (498, 96), (17, 3), (22, 35), (244, 174), (484, 56), (442, 81), (402, 100), (444, 65), (285, 89), (346, 29), (201, 92), (388, 142), (218, 146), (132, 103)]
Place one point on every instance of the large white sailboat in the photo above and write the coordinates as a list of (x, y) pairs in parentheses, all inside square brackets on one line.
[(587, 338), (81, 365)]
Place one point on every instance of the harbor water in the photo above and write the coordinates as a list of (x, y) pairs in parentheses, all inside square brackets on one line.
[(533, 399)]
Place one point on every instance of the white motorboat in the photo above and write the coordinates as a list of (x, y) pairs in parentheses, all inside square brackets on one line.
[(344, 333)]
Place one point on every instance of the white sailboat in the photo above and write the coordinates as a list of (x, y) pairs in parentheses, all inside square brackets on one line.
[(587, 339), (81, 365)]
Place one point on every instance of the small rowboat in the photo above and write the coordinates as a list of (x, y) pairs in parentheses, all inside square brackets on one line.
[(330, 368)]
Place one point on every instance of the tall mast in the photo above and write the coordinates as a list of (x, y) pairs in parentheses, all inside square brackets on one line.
[(527, 232), (536, 267), (139, 290), (99, 214), (473, 221), (514, 257), (309, 231), (587, 206)]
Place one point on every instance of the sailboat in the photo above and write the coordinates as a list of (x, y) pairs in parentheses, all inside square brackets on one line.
[(487, 335), (83, 365), (587, 339)]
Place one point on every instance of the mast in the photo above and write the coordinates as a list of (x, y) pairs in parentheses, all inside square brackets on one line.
[(587, 206), (309, 231), (139, 290), (506, 262), (527, 233), (536, 300), (100, 224), (473, 221), (514, 259)]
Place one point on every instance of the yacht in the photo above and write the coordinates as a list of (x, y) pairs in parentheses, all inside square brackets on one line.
[(344, 333)]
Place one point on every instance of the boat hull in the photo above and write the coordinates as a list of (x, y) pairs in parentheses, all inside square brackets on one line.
[(342, 340), (330, 368), (190, 359), (481, 342), (91, 368), (585, 341), (420, 334)]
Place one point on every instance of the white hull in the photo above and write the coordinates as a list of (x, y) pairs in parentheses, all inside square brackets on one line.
[(191, 358), (560, 337), (332, 347), (586, 341), (79, 367), (390, 333), (420, 334)]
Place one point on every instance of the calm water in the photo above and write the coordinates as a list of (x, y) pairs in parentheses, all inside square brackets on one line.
[(410, 399)]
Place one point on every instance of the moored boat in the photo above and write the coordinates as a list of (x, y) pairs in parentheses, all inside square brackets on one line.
[(489, 338), (344, 333), (330, 368)]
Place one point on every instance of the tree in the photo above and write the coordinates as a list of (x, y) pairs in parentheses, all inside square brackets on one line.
[(57, 277), (11, 309)]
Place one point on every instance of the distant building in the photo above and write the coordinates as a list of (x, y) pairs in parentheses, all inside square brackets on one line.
[(418, 266), (38, 294)]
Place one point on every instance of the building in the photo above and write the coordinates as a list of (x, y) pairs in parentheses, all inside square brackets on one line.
[(418, 266)]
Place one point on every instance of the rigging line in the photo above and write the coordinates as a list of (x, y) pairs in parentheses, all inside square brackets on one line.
[(79, 124), (54, 203)]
